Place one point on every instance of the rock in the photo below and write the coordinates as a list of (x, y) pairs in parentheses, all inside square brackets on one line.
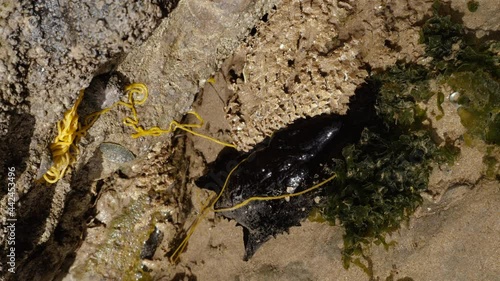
[(50, 51), (116, 153)]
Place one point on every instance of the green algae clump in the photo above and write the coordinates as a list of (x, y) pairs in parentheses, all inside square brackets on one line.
[(379, 183), (380, 187), (479, 103), (471, 67), (472, 6)]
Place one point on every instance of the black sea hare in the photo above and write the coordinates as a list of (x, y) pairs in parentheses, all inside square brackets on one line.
[(292, 160)]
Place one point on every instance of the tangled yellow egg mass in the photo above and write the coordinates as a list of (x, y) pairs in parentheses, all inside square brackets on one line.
[(64, 147)]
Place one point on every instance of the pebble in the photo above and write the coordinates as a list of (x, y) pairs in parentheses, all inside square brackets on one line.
[(116, 153)]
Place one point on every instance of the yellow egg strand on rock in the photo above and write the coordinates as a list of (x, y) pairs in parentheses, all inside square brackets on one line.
[(64, 148)]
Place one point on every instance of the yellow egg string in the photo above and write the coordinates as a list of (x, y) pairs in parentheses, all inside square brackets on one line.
[(137, 95), (211, 207), (268, 198), (64, 148), (204, 211)]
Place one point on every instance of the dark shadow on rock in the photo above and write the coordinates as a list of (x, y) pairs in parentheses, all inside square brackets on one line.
[(167, 6), (105, 86), (14, 145), (54, 257), (33, 212), (181, 276)]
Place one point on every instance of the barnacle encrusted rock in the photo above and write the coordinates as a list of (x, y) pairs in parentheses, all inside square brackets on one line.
[(304, 70), (308, 58)]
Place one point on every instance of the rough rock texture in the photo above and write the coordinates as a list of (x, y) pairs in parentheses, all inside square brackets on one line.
[(309, 57), (185, 50), (486, 24), (126, 214), (51, 50)]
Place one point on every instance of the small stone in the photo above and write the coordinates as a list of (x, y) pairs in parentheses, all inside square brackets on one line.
[(116, 153)]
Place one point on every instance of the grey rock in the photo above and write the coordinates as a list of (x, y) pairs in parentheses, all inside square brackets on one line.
[(49, 50), (116, 153), (52, 49)]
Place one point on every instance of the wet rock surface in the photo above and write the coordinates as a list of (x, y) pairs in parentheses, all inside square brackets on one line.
[(51, 50)]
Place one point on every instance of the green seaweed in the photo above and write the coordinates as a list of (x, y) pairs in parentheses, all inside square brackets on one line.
[(479, 101), (401, 87), (491, 160), (470, 68), (440, 34), (378, 185), (453, 49), (491, 166), (472, 6), (446, 153)]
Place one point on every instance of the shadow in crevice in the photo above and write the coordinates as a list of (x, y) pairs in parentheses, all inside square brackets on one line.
[(54, 257), (167, 6), (104, 90), (181, 276), (14, 145)]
